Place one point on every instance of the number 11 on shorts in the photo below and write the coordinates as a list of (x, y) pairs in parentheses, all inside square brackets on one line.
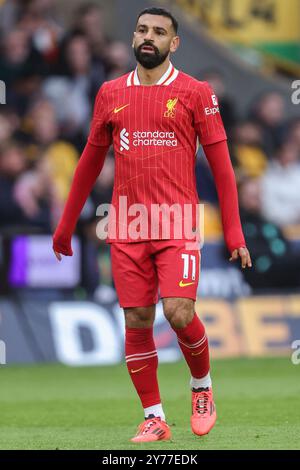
[(189, 261)]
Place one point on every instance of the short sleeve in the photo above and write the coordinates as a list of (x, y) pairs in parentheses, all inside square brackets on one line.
[(100, 132), (207, 119)]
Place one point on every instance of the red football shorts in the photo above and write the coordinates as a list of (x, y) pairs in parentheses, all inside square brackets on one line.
[(142, 270)]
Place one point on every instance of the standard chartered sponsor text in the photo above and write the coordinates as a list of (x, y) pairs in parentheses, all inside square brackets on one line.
[(156, 138)]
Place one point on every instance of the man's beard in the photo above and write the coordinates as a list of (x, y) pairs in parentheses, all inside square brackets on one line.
[(147, 59)]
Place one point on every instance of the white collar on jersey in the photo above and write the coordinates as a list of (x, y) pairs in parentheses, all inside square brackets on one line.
[(167, 78)]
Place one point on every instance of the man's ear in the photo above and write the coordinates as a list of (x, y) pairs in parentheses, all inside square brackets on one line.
[(133, 38), (175, 44)]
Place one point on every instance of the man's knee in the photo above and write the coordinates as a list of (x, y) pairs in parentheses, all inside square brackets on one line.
[(178, 311), (139, 317)]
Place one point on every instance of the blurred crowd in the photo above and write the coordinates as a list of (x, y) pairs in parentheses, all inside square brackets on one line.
[(52, 74), (265, 152)]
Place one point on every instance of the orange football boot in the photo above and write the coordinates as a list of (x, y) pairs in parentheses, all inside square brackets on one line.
[(152, 429), (203, 411)]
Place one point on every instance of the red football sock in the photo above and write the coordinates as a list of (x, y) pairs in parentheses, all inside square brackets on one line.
[(194, 346), (142, 363)]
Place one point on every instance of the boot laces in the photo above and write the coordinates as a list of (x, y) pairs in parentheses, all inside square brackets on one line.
[(147, 426), (201, 403)]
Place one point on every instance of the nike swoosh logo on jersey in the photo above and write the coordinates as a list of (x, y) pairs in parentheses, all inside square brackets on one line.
[(137, 370), (117, 110), (184, 284)]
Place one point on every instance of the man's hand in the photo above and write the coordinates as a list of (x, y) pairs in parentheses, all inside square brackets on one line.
[(244, 255), (61, 245), (58, 255)]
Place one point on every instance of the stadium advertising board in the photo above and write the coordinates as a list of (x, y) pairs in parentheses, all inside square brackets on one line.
[(33, 265), (85, 333)]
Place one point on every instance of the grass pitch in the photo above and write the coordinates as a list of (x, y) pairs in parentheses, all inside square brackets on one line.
[(56, 407)]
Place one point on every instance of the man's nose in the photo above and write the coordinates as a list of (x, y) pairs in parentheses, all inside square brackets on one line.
[(149, 35)]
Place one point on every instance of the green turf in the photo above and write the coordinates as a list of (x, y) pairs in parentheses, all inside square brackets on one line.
[(52, 406)]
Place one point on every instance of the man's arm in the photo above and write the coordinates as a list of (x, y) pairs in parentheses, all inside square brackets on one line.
[(218, 157), (87, 170), (89, 166)]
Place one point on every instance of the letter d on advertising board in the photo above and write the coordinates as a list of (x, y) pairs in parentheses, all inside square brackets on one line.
[(2, 353), (2, 92)]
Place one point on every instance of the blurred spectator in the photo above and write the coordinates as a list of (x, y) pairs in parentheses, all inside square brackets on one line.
[(27, 196), (38, 21), (9, 123), (102, 192), (280, 187), (77, 86), (247, 142), (16, 57), (204, 179), (117, 59), (21, 68), (34, 192), (39, 128), (41, 138), (293, 135), (269, 112), (274, 262), (62, 159), (12, 160), (89, 20), (9, 13), (12, 165)]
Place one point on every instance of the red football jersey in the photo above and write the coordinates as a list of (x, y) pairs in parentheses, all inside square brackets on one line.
[(155, 132)]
